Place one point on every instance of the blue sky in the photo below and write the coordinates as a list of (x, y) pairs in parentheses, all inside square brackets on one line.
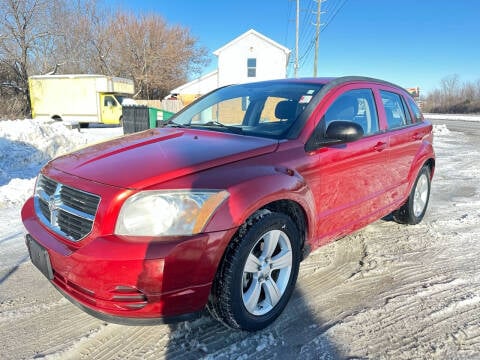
[(408, 42)]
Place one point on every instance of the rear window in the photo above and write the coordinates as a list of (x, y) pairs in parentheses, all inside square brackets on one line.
[(417, 114)]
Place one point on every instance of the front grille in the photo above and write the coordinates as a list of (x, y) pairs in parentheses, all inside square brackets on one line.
[(79, 200), (67, 211)]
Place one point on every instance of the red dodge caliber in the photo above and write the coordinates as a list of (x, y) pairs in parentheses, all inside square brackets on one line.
[(218, 207)]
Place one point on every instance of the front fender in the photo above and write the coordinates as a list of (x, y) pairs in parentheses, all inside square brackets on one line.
[(266, 186)]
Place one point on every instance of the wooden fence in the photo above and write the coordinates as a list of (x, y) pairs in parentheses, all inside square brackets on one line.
[(168, 105)]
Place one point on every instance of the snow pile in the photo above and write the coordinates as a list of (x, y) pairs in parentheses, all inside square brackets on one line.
[(440, 130), (25, 147)]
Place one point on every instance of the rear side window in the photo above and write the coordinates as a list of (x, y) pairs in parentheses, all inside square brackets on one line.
[(357, 106), (394, 110), (417, 114)]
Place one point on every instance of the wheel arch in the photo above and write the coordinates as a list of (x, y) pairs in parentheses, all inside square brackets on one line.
[(223, 296), (298, 215), (425, 157), (431, 165), (289, 207)]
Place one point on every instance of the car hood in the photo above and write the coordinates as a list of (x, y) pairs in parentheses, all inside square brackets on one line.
[(144, 159)]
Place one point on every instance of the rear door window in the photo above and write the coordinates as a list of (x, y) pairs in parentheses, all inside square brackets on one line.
[(417, 114), (396, 115)]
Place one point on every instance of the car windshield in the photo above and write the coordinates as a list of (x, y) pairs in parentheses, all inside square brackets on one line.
[(266, 109)]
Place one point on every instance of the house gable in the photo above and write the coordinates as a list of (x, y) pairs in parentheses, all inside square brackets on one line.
[(251, 57), (247, 58), (248, 34)]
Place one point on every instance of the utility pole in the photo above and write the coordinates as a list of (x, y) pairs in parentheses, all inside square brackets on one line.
[(317, 36), (295, 66)]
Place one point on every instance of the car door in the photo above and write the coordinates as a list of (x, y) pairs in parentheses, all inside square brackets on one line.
[(347, 179), (404, 141)]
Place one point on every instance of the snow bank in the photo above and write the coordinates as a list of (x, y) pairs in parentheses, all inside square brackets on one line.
[(440, 130), (26, 146), (459, 117)]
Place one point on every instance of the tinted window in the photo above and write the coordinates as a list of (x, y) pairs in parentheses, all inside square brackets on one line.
[(417, 114), (357, 106), (394, 110)]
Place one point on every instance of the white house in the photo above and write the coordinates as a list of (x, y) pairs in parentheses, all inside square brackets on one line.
[(249, 57)]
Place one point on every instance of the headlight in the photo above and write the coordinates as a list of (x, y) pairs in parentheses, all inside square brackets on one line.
[(168, 213)]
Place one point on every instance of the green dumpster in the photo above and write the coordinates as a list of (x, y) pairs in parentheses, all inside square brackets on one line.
[(158, 116), (152, 117)]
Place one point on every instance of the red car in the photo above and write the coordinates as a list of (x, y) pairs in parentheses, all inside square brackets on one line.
[(217, 208)]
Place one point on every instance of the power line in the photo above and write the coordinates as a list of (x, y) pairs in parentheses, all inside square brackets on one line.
[(295, 66), (334, 15), (310, 35), (289, 13), (317, 36), (306, 35), (307, 31)]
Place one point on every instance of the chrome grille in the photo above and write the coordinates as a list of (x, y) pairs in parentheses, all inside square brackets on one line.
[(67, 211), (78, 200)]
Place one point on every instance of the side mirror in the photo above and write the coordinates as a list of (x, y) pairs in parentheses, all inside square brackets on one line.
[(344, 131)]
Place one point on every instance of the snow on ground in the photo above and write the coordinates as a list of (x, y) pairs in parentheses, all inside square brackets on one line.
[(388, 291), (26, 145), (454, 117)]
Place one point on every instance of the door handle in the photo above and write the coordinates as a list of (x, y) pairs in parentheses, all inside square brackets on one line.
[(380, 146), (417, 136)]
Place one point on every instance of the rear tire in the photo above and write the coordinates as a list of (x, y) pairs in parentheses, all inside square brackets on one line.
[(413, 211), (257, 274)]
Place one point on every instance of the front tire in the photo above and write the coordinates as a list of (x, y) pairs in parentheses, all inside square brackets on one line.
[(258, 273), (413, 211)]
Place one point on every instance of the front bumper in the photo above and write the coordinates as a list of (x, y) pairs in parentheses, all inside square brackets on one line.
[(132, 280)]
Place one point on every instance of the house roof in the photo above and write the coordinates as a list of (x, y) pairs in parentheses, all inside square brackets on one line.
[(193, 82), (256, 33)]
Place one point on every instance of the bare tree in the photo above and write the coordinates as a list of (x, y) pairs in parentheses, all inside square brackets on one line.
[(454, 96), (142, 47), (60, 36), (450, 87), (25, 33), (80, 43), (158, 57)]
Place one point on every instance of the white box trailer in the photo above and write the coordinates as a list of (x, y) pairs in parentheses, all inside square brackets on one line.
[(79, 98)]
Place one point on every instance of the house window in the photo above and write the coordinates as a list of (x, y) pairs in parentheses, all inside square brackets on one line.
[(251, 67)]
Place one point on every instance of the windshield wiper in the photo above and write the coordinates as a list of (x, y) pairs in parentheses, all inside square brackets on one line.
[(175, 125), (219, 125), (214, 123)]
